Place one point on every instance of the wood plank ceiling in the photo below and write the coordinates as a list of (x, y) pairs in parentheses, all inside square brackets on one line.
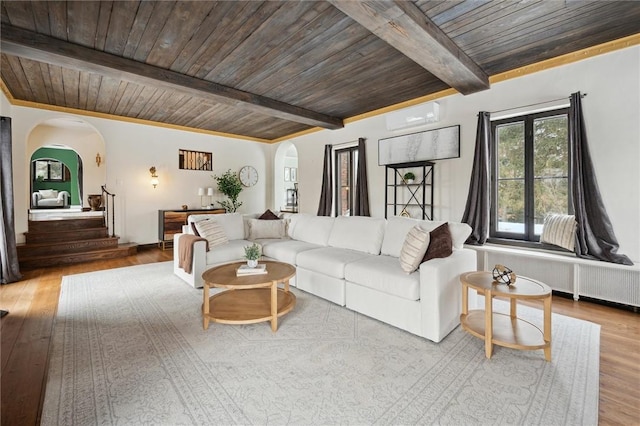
[(269, 69)]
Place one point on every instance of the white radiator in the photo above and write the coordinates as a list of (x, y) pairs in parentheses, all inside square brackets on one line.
[(569, 274), (614, 284)]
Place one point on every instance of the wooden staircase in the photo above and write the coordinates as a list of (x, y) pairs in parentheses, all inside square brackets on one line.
[(67, 241)]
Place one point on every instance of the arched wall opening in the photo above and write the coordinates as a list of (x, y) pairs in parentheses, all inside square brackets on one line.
[(285, 178), (70, 135)]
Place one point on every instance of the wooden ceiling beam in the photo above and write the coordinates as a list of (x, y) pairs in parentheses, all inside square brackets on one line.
[(38, 47), (406, 28)]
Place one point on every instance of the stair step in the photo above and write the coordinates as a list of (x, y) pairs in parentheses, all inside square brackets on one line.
[(72, 235), (64, 224), (42, 249), (122, 250)]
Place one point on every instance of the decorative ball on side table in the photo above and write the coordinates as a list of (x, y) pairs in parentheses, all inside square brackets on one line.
[(503, 275)]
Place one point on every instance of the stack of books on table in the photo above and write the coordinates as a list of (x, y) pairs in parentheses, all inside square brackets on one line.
[(246, 270)]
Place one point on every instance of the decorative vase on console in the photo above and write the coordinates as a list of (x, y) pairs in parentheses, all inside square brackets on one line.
[(95, 201)]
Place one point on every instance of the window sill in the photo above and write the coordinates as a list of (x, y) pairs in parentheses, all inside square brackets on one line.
[(534, 245), (542, 253)]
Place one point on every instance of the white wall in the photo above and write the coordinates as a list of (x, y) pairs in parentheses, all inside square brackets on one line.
[(611, 110), (130, 150), (5, 106)]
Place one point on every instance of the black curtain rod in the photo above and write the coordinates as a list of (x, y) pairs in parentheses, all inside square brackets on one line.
[(536, 104)]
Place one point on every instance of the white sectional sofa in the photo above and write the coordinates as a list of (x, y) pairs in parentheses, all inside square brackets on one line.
[(353, 262)]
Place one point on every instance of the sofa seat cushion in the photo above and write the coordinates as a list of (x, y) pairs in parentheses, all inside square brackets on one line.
[(231, 251), (285, 250), (330, 261), (50, 202), (384, 273)]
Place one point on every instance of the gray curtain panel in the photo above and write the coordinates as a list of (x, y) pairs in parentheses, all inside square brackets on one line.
[(80, 180), (326, 192), (595, 238), (361, 207), (476, 212), (10, 270)]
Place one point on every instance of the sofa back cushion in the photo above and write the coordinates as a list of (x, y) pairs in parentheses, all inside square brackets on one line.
[(395, 233), (398, 227), (231, 223), (360, 233), (312, 229)]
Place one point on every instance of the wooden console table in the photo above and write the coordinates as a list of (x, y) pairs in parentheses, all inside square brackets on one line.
[(501, 329), (170, 222)]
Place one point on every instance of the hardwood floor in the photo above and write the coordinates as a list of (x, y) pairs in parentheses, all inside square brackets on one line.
[(32, 302)]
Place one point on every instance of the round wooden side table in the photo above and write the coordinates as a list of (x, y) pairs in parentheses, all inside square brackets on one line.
[(501, 329)]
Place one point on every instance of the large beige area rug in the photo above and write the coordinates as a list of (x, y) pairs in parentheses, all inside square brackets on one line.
[(129, 348)]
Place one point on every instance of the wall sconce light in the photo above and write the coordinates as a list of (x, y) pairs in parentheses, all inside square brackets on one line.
[(154, 176), (98, 159)]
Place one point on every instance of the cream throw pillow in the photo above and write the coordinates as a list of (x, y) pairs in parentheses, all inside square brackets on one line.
[(260, 228), (48, 193), (559, 230), (211, 230), (413, 250)]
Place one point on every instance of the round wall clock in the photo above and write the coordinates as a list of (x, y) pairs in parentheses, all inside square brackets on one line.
[(248, 176)]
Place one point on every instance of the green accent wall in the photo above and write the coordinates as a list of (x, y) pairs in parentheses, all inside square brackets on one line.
[(67, 157)]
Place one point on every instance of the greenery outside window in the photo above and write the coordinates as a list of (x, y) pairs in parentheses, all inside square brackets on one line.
[(346, 165), (50, 171), (530, 173)]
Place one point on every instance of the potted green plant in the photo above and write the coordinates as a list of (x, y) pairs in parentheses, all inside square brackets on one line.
[(409, 177), (252, 253), (229, 184)]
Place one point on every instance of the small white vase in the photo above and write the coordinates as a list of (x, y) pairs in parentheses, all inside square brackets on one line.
[(252, 263)]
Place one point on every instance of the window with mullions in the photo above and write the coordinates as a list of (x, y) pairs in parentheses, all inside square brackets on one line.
[(345, 173), (530, 173), (51, 171)]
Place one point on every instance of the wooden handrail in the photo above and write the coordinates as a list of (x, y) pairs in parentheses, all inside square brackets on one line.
[(106, 209)]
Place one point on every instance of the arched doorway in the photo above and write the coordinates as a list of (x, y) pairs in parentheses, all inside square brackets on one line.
[(70, 153), (56, 177), (286, 193)]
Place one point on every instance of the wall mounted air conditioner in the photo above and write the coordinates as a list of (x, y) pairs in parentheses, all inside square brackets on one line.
[(413, 116)]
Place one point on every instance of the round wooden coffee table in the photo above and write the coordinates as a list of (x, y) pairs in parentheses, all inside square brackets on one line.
[(248, 298), (501, 329)]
